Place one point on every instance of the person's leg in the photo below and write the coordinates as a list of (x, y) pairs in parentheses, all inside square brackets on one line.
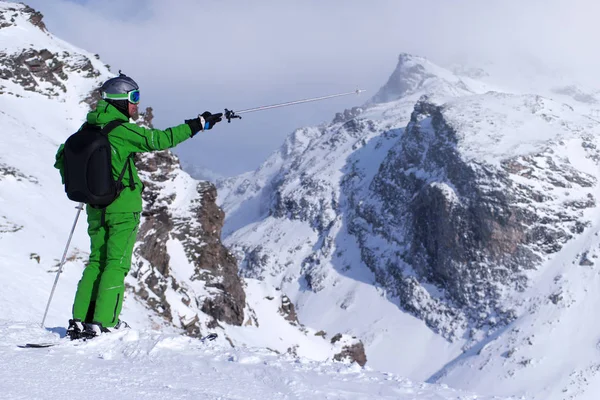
[(122, 231), (83, 305)]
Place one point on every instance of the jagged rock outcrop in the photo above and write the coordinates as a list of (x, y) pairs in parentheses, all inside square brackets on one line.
[(198, 230), (352, 349), (38, 69), (449, 193), (43, 71), (8, 18), (288, 310), (214, 264), (35, 17), (465, 225)]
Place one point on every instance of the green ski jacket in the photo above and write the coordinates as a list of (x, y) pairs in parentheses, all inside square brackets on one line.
[(125, 140)]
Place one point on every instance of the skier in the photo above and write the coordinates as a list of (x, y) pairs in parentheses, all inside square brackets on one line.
[(113, 228)]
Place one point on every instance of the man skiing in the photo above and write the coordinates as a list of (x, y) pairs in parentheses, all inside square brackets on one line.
[(113, 228)]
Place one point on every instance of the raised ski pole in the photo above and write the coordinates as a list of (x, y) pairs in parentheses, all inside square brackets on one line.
[(230, 114), (62, 262)]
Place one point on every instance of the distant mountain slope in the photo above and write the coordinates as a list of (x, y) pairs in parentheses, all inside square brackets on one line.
[(418, 220)]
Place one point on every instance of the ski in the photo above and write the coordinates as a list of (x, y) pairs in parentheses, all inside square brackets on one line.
[(208, 338), (37, 345)]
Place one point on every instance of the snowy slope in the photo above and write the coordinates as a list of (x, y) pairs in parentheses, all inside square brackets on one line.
[(134, 364), (45, 93), (324, 219), (35, 219), (310, 168), (38, 111), (551, 350)]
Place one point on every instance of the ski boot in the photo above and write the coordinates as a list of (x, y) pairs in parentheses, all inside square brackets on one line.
[(75, 329), (91, 330)]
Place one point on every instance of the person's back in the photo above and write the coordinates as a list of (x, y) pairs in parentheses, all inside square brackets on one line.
[(113, 229)]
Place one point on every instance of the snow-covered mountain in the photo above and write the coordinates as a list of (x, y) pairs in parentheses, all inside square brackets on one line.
[(446, 228), (427, 222), (183, 280)]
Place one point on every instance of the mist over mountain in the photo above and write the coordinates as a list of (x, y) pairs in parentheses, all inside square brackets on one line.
[(426, 222), (444, 231)]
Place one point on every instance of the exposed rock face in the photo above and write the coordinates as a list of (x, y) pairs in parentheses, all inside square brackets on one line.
[(288, 310), (35, 17), (43, 71), (38, 69), (199, 233), (463, 225), (9, 17), (352, 350), (353, 353), (214, 263)]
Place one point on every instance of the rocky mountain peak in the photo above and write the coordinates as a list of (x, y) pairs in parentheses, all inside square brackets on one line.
[(415, 74), (32, 60), (10, 13)]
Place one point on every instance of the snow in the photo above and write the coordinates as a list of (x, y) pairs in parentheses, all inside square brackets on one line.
[(549, 352), (134, 364), (272, 357), (495, 126)]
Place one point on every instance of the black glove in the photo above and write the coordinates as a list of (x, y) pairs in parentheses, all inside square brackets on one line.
[(205, 121), (210, 119)]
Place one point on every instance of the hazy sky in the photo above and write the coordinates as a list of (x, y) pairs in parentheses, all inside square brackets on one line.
[(190, 56)]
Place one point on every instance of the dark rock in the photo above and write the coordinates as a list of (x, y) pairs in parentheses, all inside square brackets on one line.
[(461, 225), (288, 310), (556, 298), (200, 236), (585, 261), (347, 115), (336, 338), (353, 353), (8, 171), (35, 17)]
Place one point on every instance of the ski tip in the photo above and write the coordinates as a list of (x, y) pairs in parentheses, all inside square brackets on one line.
[(36, 345), (210, 337)]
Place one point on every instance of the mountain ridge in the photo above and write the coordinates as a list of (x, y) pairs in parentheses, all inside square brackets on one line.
[(440, 197)]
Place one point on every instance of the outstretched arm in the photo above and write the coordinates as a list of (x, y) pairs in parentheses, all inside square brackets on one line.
[(143, 139)]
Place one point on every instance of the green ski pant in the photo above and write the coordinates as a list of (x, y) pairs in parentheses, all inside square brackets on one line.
[(100, 291)]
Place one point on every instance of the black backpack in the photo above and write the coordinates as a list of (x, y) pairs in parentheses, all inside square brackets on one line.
[(88, 167)]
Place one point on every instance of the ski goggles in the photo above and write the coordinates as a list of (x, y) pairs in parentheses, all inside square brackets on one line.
[(133, 96)]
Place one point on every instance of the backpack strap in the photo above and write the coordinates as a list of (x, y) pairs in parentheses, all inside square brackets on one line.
[(106, 130), (122, 174), (120, 186), (131, 183), (110, 126)]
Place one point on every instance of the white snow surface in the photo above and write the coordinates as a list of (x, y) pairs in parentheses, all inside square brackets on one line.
[(152, 360), (551, 350), (136, 364)]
